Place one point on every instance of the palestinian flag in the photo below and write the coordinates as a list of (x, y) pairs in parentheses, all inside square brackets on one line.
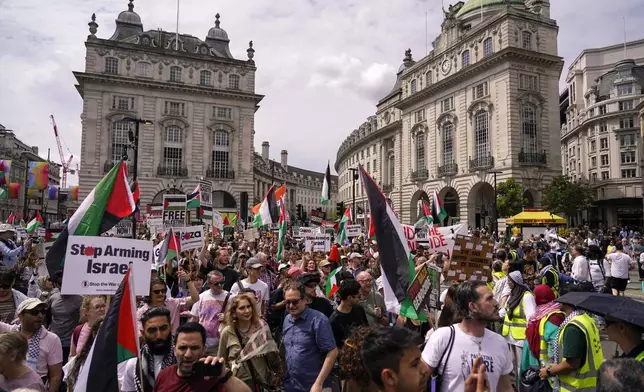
[(233, 222), (226, 221), (424, 216), (282, 234), (116, 342), (439, 214), (332, 283), (169, 248), (342, 230), (267, 213), (334, 255), (109, 202), (35, 223), (396, 260), (280, 193), (11, 219), (326, 186), (193, 200), (372, 229)]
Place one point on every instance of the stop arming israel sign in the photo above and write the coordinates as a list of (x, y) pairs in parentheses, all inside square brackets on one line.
[(436, 239), (97, 265), (192, 238)]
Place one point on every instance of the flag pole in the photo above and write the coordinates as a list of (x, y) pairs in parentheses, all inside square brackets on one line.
[(176, 41)]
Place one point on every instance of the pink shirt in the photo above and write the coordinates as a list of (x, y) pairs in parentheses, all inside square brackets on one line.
[(51, 350), (174, 305)]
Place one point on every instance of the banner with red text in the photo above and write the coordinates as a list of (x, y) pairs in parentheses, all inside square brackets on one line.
[(436, 239)]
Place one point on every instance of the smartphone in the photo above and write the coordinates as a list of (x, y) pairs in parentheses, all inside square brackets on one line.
[(200, 369)]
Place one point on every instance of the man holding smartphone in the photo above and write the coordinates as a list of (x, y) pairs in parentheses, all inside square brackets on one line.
[(193, 371)]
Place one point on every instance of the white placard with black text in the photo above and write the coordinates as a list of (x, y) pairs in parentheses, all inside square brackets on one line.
[(192, 237)]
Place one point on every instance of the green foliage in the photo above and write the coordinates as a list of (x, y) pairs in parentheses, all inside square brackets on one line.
[(566, 197), (509, 198)]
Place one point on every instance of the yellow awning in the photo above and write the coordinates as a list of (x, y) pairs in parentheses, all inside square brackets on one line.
[(536, 218)]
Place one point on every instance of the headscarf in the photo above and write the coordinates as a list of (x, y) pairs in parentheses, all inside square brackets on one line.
[(516, 295), (544, 297)]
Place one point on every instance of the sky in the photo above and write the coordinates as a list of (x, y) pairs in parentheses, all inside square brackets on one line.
[(322, 65)]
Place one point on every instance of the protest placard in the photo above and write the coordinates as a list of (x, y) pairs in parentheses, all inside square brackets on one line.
[(420, 289), (438, 239), (354, 230), (319, 243), (192, 237), (251, 234), (316, 217), (40, 232), (122, 229), (96, 265), (174, 210), (471, 259), (306, 232), (217, 220), (21, 233)]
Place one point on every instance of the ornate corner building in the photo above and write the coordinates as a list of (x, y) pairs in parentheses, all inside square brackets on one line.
[(482, 103), (201, 103)]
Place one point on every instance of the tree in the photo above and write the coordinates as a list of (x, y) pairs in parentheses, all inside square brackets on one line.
[(509, 198), (566, 197)]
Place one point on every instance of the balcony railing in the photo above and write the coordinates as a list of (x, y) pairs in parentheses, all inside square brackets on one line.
[(533, 158), (482, 162), (108, 165), (219, 173), (421, 174), (449, 169), (387, 188), (172, 171)]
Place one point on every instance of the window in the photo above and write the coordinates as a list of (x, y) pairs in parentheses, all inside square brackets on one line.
[(144, 69), (626, 140), (448, 143), (374, 148), (122, 103), (392, 169), (220, 154), (419, 115), (233, 82), (481, 134), (629, 173), (603, 143), (111, 65), (175, 74), (526, 40), (479, 91), (120, 140), (605, 175), (626, 105), (593, 146), (447, 104), (205, 78), (374, 166), (593, 162), (368, 167), (628, 157), (368, 150), (528, 82), (594, 176), (428, 78), (465, 58), (529, 130), (604, 160), (487, 47), (626, 122), (420, 151), (624, 89), (173, 150), (603, 128), (223, 113), (413, 86), (602, 109), (175, 108)]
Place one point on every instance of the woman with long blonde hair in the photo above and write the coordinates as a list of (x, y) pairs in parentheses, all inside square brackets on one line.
[(92, 308), (245, 329)]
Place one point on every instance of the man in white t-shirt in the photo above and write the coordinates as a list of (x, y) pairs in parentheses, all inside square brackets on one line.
[(210, 310), (254, 269), (620, 264), (475, 303)]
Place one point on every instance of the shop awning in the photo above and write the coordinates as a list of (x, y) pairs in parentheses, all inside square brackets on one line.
[(536, 218)]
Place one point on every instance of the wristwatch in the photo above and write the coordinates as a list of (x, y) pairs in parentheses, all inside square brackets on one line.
[(548, 371)]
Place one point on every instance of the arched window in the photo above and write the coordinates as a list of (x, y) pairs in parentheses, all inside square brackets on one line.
[(120, 140), (111, 65), (233, 82), (205, 78), (448, 143), (413, 86), (173, 150), (481, 134), (465, 58), (529, 129), (487, 47), (220, 164), (420, 151), (526, 40), (175, 74)]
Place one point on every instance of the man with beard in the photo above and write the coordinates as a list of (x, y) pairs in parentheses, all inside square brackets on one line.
[(468, 340), (221, 264), (156, 354)]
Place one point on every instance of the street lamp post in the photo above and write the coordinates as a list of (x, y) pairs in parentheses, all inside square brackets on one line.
[(354, 178), (134, 140), (495, 213)]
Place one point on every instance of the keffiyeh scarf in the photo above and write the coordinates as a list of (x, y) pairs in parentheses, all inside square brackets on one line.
[(147, 368), (34, 347), (561, 328)]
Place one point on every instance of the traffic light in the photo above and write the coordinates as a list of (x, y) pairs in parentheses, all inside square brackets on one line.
[(299, 212), (339, 209)]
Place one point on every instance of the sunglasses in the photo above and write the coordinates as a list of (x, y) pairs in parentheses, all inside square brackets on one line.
[(294, 302), (157, 292), (217, 283), (36, 312)]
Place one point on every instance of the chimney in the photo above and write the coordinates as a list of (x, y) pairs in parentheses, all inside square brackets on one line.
[(265, 147), (284, 159)]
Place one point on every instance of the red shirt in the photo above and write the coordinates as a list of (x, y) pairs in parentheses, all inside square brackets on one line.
[(169, 381)]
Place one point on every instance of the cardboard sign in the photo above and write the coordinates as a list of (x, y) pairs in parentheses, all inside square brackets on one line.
[(471, 259), (420, 289), (354, 230), (251, 234), (205, 193), (97, 265), (192, 237), (317, 217), (174, 210), (217, 220)]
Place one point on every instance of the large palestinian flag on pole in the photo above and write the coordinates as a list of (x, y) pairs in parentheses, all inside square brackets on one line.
[(439, 213), (396, 260), (342, 229), (116, 342), (326, 186), (109, 202), (267, 213), (424, 216), (282, 234)]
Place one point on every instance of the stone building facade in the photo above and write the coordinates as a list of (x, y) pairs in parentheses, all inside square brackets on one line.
[(484, 100), (201, 103)]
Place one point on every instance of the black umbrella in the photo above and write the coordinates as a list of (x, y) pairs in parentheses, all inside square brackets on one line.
[(609, 306), (574, 298)]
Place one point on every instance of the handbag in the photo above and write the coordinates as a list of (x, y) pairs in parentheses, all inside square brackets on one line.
[(436, 379), (274, 376)]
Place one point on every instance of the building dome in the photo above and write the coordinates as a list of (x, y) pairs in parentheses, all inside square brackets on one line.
[(475, 5), (217, 32), (129, 16)]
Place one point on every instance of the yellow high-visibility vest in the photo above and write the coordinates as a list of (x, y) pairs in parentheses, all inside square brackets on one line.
[(555, 287), (517, 326), (543, 345), (583, 379)]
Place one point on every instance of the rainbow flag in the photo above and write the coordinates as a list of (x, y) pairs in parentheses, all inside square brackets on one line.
[(38, 175), (52, 192), (73, 192), (14, 190)]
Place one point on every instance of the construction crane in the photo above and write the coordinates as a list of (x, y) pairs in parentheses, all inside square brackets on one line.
[(65, 163)]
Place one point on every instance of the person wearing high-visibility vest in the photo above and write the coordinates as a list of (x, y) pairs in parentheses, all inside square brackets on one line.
[(579, 353), (520, 306), (548, 275), (628, 337)]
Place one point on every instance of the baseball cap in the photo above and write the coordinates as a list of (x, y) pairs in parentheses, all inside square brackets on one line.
[(354, 255), (254, 262), (29, 304), (309, 278), (324, 263), (283, 266)]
